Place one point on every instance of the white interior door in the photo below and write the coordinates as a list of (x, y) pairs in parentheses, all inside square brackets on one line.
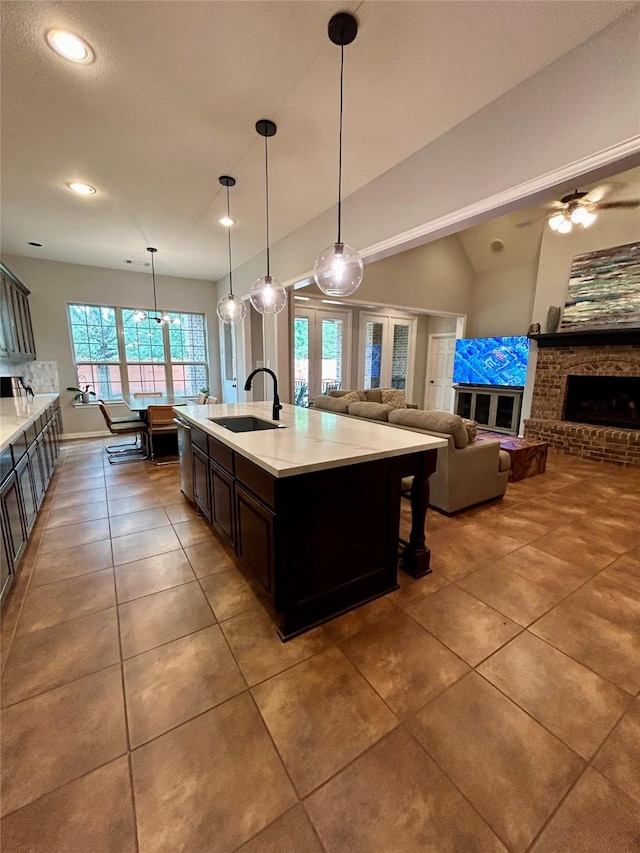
[(387, 345), (229, 362), (439, 386)]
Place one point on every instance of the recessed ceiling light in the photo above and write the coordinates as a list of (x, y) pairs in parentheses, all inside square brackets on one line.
[(70, 46), (227, 221), (39, 245), (81, 189)]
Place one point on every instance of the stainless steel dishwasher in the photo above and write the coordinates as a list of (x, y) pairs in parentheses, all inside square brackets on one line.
[(186, 459)]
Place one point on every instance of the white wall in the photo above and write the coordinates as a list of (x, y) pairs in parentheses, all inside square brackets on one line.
[(53, 284), (502, 301)]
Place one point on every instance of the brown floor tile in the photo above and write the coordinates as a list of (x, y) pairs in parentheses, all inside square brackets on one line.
[(76, 514), (147, 543), (538, 511), (58, 538), (131, 490), (394, 798), (94, 813), (291, 832), (321, 714), (208, 558), (575, 546), (523, 530), (164, 616), (611, 601), (169, 685), (403, 663), (595, 818), (619, 758), (81, 725), (69, 499), (46, 659), (72, 562), (544, 569), (80, 484), (359, 619), (599, 644), (122, 506), (511, 769), (625, 572), (183, 511), (135, 522), (59, 602), (153, 574), (521, 600), (468, 627), (211, 784), (168, 495), (229, 594), (193, 531), (459, 552), (260, 652), (413, 590), (550, 686)]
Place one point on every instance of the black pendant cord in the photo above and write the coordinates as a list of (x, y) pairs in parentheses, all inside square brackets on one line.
[(266, 183), (229, 239), (153, 276), (340, 146)]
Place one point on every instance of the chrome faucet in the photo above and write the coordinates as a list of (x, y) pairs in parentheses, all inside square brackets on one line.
[(276, 400)]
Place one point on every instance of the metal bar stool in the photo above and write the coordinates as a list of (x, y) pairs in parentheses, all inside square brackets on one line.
[(129, 425), (161, 421)]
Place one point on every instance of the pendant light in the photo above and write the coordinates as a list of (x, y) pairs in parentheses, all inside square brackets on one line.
[(338, 268), (164, 318), (230, 310), (267, 296)]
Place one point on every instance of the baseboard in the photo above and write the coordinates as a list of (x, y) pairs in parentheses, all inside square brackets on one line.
[(72, 436)]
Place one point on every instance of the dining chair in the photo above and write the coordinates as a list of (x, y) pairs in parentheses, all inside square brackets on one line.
[(161, 421), (212, 400), (128, 425)]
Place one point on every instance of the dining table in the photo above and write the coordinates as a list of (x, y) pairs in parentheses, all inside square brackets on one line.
[(140, 403)]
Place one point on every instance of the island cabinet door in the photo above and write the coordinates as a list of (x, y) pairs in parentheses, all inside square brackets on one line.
[(201, 482), (222, 508), (255, 527)]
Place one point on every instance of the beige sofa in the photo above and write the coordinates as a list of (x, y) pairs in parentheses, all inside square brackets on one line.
[(469, 472)]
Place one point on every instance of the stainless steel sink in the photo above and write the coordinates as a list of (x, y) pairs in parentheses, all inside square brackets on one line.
[(245, 423)]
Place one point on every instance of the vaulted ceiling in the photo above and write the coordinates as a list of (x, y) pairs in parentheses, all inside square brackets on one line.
[(171, 101)]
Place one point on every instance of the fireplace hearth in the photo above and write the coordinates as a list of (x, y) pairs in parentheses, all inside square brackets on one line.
[(607, 400)]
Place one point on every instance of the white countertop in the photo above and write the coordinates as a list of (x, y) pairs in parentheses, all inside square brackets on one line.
[(312, 440), (17, 413)]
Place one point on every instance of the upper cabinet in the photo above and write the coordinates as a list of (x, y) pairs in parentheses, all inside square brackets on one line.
[(16, 332)]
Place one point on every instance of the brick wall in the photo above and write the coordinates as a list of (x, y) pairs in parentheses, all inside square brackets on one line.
[(608, 444)]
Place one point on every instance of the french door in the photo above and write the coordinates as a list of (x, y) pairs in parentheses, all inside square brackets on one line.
[(232, 360), (322, 352), (387, 348)]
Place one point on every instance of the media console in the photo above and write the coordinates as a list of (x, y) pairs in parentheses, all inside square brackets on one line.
[(495, 407)]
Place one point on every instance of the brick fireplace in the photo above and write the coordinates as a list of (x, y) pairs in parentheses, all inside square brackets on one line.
[(605, 354)]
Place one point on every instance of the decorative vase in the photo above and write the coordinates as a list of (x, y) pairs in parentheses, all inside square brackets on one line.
[(553, 319), (85, 398)]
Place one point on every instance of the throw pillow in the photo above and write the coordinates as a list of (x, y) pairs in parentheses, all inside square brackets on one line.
[(331, 404), (351, 397), (393, 397), (472, 429)]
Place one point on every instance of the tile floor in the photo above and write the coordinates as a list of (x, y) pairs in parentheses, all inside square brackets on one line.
[(493, 705)]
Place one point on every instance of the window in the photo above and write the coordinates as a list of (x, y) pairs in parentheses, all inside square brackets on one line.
[(120, 352)]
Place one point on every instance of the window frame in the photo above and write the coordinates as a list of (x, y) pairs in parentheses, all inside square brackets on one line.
[(123, 364)]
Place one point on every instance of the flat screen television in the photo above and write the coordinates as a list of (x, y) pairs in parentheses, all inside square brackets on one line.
[(491, 361)]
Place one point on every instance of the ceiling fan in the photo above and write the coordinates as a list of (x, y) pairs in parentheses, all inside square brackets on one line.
[(582, 208)]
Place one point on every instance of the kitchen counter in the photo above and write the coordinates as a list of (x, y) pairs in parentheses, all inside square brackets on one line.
[(17, 413), (310, 440), (312, 509)]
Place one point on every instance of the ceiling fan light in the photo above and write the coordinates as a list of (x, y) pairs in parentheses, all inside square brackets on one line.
[(231, 310), (338, 270), (268, 295), (588, 219), (556, 221), (565, 226)]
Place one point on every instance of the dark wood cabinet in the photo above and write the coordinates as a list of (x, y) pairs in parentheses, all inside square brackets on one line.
[(256, 537), (39, 484), (222, 502), (16, 330), (27, 497), (14, 530), (201, 481)]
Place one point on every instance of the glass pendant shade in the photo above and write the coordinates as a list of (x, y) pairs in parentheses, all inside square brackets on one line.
[(268, 295), (231, 310), (338, 270)]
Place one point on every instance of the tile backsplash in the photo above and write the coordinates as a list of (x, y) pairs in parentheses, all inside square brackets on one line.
[(41, 375)]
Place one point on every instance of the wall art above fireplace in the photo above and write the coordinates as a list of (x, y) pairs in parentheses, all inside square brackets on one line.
[(604, 290)]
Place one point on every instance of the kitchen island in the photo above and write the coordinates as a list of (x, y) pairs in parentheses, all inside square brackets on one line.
[(312, 508)]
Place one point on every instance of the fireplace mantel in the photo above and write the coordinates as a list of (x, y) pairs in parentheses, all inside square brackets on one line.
[(589, 338)]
